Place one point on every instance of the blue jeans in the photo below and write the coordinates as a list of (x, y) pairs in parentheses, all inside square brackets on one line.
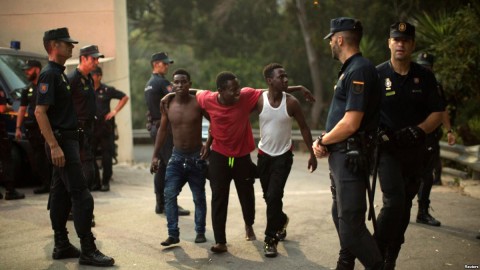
[(182, 168)]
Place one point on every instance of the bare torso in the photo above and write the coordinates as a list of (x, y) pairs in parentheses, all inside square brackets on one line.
[(185, 118)]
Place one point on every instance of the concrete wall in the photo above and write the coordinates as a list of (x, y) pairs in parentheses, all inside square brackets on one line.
[(103, 23)]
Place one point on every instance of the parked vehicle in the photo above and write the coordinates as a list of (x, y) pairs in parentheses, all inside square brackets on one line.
[(13, 81)]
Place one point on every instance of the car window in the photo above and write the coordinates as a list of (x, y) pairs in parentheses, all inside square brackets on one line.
[(12, 74)]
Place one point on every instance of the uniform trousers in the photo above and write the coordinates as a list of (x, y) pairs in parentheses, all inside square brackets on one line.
[(87, 156), (273, 173), (348, 212), (221, 171), (164, 156), (399, 171), (104, 139), (69, 190)]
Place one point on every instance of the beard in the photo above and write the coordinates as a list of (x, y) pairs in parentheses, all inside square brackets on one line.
[(32, 77)]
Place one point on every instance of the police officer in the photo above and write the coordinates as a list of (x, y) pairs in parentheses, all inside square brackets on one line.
[(83, 95), (57, 120), (411, 108), (105, 124), (27, 104), (156, 88), (6, 166), (352, 120), (434, 164)]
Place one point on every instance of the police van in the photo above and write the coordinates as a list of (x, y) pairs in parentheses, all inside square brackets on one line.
[(13, 81)]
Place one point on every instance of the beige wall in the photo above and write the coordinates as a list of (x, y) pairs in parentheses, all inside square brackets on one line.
[(100, 22)]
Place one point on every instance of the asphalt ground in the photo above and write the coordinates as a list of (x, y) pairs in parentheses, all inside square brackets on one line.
[(128, 229)]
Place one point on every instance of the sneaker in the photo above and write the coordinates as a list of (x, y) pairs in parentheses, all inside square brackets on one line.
[(170, 241), (270, 248), (282, 234), (426, 218), (200, 238), (14, 195)]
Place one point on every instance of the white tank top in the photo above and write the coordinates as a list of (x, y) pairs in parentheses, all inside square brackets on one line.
[(275, 127)]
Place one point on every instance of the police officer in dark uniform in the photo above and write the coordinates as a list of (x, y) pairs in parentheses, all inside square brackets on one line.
[(105, 124), (411, 108), (28, 101), (57, 120), (348, 142), (6, 166), (156, 88), (83, 96)]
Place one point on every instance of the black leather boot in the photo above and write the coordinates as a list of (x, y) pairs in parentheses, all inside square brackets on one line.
[(423, 216), (63, 248), (345, 265), (91, 255), (391, 256)]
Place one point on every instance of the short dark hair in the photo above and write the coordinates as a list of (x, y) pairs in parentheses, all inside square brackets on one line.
[(268, 69), (223, 77), (181, 71), (353, 37)]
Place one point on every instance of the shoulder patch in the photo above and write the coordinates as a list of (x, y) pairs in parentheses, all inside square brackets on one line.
[(358, 87), (43, 88)]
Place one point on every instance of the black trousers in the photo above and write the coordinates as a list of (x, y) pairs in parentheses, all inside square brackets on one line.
[(400, 171), (104, 139), (273, 172), (164, 157), (221, 171), (69, 190), (432, 159), (39, 161), (348, 212), (87, 156)]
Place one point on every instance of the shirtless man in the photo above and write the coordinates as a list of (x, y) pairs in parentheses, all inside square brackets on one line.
[(187, 162)]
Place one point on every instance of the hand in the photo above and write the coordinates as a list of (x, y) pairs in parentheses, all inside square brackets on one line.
[(154, 165), (110, 115), (451, 138), (18, 134), (320, 151), (308, 95), (312, 163), (149, 126), (165, 101), (410, 137), (58, 158), (204, 152)]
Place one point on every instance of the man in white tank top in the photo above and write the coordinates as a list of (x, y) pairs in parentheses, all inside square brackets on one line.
[(275, 156)]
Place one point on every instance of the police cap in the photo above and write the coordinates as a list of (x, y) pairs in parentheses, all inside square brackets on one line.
[(58, 34), (425, 59), (161, 56), (31, 63), (91, 50), (402, 30), (343, 24)]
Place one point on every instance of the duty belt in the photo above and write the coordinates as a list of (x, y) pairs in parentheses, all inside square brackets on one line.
[(340, 146)]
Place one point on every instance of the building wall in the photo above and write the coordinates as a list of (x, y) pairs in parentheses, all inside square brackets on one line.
[(103, 23)]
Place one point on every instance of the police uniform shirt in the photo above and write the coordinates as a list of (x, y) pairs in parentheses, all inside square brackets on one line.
[(103, 96), (29, 98), (157, 87), (83, 95), (407, 100), (357, 89), (53, 89)]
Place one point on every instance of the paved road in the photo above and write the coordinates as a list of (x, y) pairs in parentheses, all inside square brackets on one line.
[(129, 230)]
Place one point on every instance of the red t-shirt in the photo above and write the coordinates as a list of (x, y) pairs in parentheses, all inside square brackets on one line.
[(230, 125)]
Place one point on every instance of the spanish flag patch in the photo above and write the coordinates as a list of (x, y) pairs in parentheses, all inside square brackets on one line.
[(358, 87)]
